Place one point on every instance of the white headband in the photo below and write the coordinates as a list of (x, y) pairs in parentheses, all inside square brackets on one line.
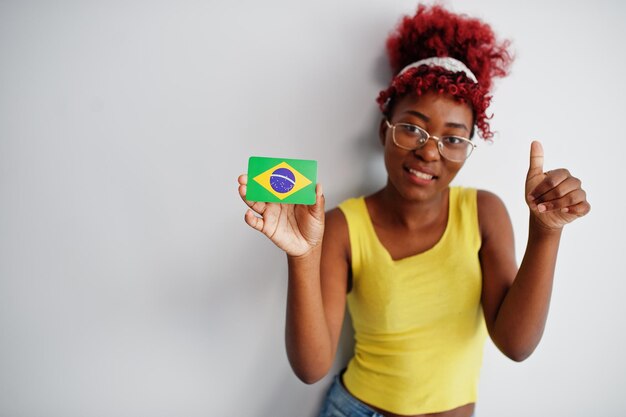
[(450, 64)]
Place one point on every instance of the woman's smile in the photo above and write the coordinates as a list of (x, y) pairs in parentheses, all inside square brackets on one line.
[(421, 176)]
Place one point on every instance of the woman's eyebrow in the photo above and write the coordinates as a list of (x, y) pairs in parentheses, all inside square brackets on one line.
[(427, 119), (457, 126), (419, 115)]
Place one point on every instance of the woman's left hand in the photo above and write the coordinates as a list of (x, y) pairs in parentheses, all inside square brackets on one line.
[(555, 198)]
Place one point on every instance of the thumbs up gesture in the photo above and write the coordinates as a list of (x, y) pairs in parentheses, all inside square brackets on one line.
[(555, 198)]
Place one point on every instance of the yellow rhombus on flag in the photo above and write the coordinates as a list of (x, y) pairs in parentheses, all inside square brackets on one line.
[(266, 177)]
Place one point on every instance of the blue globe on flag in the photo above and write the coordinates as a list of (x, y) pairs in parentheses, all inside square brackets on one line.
[(282, 180)]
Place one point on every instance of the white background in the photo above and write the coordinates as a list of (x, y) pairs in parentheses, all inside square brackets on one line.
[(129, 283)]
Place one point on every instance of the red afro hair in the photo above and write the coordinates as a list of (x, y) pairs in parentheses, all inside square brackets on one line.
[(435, 32)]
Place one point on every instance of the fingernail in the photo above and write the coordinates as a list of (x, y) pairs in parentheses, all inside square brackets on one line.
[(531, 197), (565, 210), (541, 208)]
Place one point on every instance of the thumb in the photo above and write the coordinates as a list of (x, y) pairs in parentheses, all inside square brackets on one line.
[(536, 160), (318, 207)]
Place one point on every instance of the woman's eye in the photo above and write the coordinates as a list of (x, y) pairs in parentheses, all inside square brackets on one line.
[(453, 140), (412, 129)]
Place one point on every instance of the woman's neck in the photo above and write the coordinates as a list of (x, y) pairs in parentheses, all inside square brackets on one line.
[(392, 208)]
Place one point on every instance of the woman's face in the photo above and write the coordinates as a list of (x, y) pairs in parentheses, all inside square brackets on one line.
[(423, 173)]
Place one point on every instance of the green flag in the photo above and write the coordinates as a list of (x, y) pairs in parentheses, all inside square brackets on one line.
[(280, 180)]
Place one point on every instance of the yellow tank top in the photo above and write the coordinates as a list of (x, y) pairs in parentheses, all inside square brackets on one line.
[(418, 321)]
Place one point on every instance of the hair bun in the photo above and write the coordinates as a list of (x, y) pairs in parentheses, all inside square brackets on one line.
[(436, 32)]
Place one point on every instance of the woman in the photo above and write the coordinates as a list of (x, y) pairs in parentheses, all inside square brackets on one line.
[(427, 270)]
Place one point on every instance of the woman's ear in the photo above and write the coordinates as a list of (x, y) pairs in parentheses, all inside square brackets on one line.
[(382, 130)]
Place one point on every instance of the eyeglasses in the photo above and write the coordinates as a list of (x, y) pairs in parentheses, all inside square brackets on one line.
[(412, 137)]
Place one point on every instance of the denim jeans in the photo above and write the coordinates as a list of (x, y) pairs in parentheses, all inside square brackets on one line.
[(340, 403)]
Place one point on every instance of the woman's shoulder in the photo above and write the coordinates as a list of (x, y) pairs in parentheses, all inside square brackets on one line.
[(492, 213), (349, 208), (336, 233), (336, 217), (336, 223), (487, 199), (351, 212)]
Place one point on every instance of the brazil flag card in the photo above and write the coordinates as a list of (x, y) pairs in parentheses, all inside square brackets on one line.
[(279, 180)]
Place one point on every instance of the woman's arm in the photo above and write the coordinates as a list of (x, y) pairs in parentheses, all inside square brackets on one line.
[(317, 249), (516, 302), (316, 299)]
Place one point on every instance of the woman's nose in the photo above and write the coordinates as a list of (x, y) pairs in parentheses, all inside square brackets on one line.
[(430, 150)]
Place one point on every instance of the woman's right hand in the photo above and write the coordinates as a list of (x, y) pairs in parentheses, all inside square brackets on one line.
[(295, 228)]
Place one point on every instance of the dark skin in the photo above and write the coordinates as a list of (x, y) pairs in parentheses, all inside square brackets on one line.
[(415, 203)]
